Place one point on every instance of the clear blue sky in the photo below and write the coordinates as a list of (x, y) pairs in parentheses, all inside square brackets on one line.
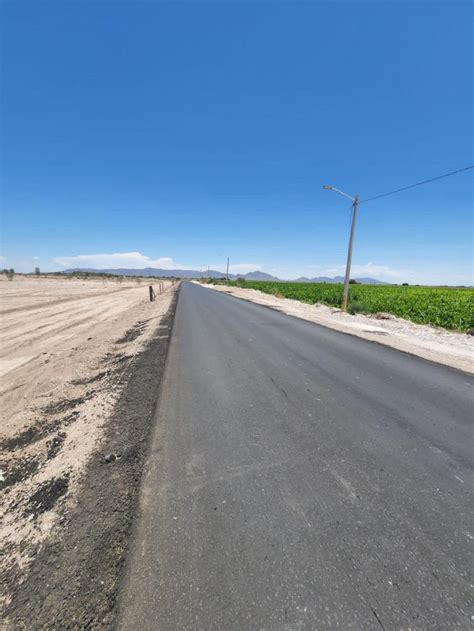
[(185, 132)]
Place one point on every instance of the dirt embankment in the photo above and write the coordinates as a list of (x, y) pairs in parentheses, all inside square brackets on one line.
[(82, 361)]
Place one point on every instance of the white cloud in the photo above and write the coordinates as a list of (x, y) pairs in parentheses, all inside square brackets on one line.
[(132, 260), (3, 259)]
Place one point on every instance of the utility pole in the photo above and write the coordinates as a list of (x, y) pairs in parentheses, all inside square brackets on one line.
[(227, 271), (345, 295), (355, 205)]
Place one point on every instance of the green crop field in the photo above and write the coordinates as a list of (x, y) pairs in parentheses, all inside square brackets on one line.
[(451, 308)]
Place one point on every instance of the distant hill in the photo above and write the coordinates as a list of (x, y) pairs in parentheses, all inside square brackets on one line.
[(149, 271), (168, 273), (187, 273), (258, 276)]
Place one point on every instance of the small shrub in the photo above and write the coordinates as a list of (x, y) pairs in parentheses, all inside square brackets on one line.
[(356, 307)]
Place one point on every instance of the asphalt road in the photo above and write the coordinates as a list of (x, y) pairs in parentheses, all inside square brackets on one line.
[(301, 478)]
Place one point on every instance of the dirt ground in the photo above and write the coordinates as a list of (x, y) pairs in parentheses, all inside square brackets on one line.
[(432, 343), (67, 350)]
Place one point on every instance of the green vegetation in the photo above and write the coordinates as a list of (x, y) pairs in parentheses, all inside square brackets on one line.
[(451, 308), (9, 273)]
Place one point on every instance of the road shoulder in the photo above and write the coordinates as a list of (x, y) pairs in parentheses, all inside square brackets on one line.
[(73, 581)]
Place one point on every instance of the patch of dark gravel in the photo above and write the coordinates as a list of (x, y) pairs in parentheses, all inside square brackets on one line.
[(36, 432), (67, 404), (45, 498), (21, 470), (28, 436), (54, 445), (132, 333), (113, 359), (87, 380), (73, 582)]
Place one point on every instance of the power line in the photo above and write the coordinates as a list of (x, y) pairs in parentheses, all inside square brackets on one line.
[(404, 188)]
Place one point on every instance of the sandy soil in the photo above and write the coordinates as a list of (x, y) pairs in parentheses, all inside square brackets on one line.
[(432, 343), (64, 347)]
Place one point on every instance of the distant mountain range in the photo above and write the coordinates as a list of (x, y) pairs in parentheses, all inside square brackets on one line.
[(168, 273), (186, 273)]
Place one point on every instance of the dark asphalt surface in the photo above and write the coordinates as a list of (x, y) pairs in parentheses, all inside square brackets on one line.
[(300, 478)]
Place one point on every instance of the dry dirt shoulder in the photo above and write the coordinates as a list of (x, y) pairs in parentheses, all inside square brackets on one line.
[(67, 505), (435, 344)]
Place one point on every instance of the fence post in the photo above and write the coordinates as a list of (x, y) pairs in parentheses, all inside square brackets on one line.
[(152, 293)]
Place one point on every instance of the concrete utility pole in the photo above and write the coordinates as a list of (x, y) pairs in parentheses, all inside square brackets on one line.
[(355, 205), (227, 271)]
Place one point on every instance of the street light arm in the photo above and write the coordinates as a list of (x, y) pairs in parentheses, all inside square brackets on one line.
[(333, 188)]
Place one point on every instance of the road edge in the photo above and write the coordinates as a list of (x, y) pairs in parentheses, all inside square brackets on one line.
[(415, 348)]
